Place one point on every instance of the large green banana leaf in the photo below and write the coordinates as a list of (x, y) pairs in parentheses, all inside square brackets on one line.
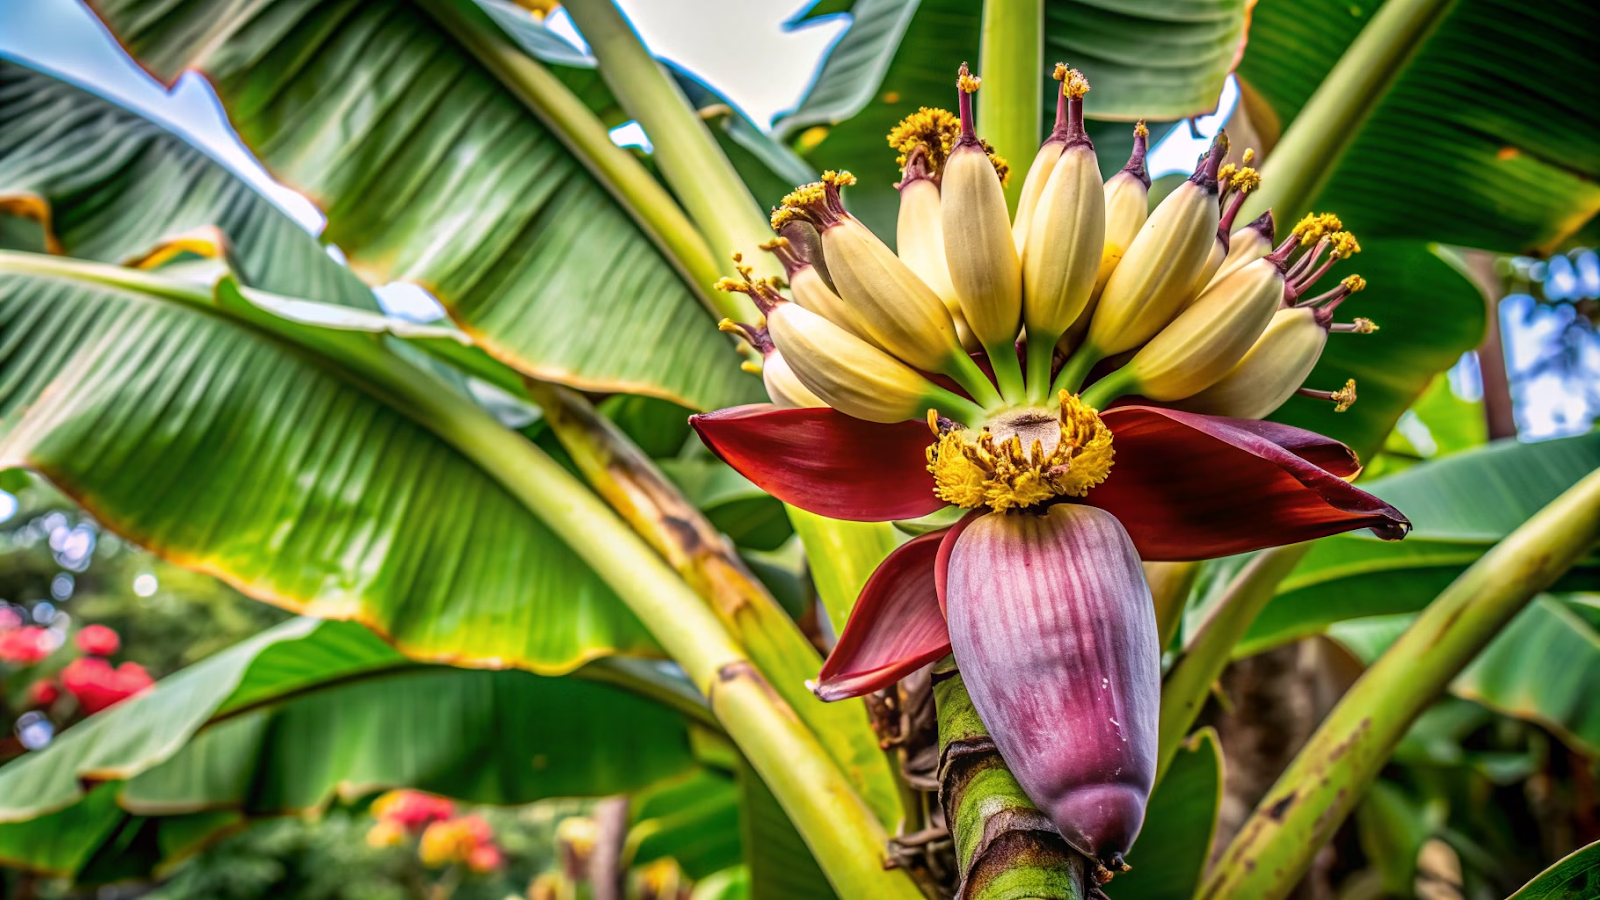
[(1461, 506), (768, 167), (433, 172), (115, 185), (898, 55), (313, 710), (1576, 875), (185, 422), (1486, 133), (1545, 667)]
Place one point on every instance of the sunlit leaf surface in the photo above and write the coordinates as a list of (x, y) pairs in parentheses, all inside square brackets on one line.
[(238, 454)]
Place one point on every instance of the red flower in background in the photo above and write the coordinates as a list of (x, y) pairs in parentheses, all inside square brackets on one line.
[(43, 693), (411, 810), (26, 646), (98, 640), (97, 685)]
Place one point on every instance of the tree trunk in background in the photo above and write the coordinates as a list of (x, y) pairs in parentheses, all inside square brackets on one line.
[(1274, 701), (1497, 409), (607, 873)]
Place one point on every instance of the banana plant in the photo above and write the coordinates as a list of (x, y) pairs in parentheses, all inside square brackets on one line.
[(1048, 377)]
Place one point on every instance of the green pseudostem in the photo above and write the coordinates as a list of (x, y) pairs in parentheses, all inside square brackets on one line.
[(1006, 849), (1011, 61)]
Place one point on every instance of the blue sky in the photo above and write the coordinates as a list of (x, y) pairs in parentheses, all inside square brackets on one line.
[(743, 48)]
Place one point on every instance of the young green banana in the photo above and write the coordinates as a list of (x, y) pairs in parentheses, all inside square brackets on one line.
[(978, 246), (1065, 243)]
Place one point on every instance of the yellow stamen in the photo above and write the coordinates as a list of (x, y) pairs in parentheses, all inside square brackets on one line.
[(1075, 85), (967, 81), (1249, 155), (539, 8), (1365, 326), (816, 202), (751, 366), (1355, 283), (805, 195), (1343, 245), (1245, 180), (1315, 226), (762, 290), (1345, 397), (934, 130), (1139, 130), (1225, 174), (1001, 167), (773, 244), (1064, 456), (1060, 74), (933, 421), (783, 215)]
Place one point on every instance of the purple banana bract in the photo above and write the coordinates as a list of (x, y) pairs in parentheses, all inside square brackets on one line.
[(1053, 628)]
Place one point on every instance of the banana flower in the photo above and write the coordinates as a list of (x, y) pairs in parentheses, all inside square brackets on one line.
[(881, 414)]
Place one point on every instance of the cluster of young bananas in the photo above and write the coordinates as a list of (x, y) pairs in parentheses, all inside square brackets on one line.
[(979, 312)]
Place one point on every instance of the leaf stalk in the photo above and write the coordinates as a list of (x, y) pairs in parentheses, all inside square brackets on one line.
[(1311, 799), (1011, 61)]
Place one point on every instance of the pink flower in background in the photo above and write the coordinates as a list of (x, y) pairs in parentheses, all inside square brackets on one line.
[(25, 646), (485, 858), (97, 685), (411, 810), (43, 693), (98, 640)]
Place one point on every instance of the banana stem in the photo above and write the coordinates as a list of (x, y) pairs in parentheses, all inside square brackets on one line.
[(1296, 818), (977, 384), (1005, 847), (1310, 149), (1103, 392), (699, 172), (1041, 356), (1011, 61), (1008, 372), (1071, 377)]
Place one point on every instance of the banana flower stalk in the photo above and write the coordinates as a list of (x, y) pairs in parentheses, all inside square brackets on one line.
[(882, 414)]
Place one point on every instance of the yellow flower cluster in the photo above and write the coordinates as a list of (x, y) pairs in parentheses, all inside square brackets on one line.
[(1023, 460)]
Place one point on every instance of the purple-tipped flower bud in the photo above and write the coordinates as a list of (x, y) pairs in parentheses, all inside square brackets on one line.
[(1054, 631)]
